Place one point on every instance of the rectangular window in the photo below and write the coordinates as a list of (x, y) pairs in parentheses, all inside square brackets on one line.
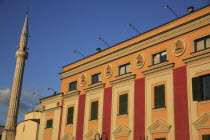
[(201, 88), (206, 137), (49, 123), (123, 104), (160, 138), (159, 96), (202, 43), (159, 57), (94, 110), (96, 78), (70, 115), (123, 69), (73, 86)]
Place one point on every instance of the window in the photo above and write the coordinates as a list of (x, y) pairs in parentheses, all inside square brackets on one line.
[(94, 110), (49, 123), (70, 115), (159, 96), (123, 104), (159, 57), (202, 43), (96, 78), (73, 86), (201, 88), (160, 138), (123, 69), (206, 137)]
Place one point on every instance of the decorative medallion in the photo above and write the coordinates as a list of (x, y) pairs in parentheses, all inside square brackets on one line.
[(179, 48), (108, 71), (83, 80), (139, 61)]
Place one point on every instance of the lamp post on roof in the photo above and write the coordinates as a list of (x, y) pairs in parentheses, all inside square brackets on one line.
[(55, 92), (99, 38), (167, 6), (130, 25)]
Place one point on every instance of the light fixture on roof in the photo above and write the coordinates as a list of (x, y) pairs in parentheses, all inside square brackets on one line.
[(99, 38), (34, 94), (130, 25), (190, 9), (167, 6), (98, 49), (74, 51), (55, 92)]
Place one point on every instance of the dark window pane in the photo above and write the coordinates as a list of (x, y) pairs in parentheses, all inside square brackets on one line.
[(160, 138), (49, 123), (73, 86), (70, 115), (159, 57), (206, 87), (94, 110), (159, 96), (206, 137), (123, 104), (197, 88), (123, 69), (95, 78)]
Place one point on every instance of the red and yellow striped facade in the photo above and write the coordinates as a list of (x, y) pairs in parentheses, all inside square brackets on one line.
[(180, 119)]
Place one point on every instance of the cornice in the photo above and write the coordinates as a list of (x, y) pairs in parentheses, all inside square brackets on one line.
[(51, 109), (94, 87), (199, 122), (143, 44), (71, 93), (123, 78), (122, 131), (158, 69), (165, 127), (197, 58)]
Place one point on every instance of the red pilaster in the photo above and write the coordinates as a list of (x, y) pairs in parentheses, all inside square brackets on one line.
[(106, 126), (181, 104), (61, 116), (80, 117), (139, 109)]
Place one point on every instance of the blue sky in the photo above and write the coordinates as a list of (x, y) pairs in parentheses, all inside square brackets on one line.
[(57, 27)]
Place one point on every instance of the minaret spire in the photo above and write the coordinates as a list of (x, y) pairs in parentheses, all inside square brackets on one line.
[(21, 55)]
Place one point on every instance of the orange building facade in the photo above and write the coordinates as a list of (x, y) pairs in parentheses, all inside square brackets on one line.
[(155, 86)]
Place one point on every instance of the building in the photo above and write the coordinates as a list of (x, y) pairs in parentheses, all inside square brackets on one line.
[(154, 86), (1, 130)]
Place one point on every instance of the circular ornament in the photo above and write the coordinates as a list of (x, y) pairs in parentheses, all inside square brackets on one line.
[(139, 61), (179, 48), (83, 80), (108, 71)]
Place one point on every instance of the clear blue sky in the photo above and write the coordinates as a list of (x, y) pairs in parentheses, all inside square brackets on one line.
[(57, 27)]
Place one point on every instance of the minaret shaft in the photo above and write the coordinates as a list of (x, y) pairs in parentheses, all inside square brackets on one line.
[(21, 55)]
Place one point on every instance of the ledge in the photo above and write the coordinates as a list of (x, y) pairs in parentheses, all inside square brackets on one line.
[(123, 78), (94, 87), (158, 69), (197, 58), (71, 93)]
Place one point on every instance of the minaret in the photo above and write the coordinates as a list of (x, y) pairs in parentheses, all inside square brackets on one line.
[(21, 55)]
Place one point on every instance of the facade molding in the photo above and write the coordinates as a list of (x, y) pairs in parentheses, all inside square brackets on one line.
[(90, 133), (52, 109), (71, 93), (197, 58), (170, 33), (67, 136), (94, 87), (123, 78), (122, 131), (199, 122), (165, 125), (158, 69)]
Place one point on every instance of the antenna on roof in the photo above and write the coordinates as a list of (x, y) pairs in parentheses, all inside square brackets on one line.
[(130, 25), (55, 92), (74, 51), (99, 38), (167, 6)]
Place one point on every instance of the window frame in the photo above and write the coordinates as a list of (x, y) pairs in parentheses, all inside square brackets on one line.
[(159, 58), (48, 124), (205, 136), (70, 86), (197, 86), (68, 117), (94, 113), (99, 78), (160, 138), (199, 39), (124, 65), (120, 111), (162, 102)]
